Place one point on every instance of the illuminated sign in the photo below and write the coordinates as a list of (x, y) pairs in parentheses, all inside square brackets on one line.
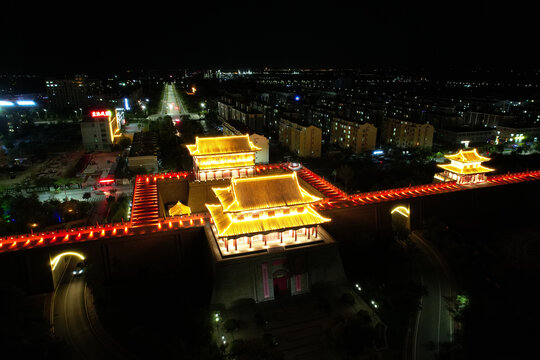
[(101, 113), (6, 103), (26, 103), (120, 118)]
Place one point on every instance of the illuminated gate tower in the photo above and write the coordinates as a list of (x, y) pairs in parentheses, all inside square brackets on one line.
[(258, 213), (223, 157), (465, 168)]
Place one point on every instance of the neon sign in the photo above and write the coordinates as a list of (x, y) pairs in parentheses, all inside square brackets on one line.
[(101, 113)]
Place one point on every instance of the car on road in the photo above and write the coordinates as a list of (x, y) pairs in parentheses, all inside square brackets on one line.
[(79, 269)]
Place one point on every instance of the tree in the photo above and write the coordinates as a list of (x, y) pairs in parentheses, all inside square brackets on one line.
[(63, 182), (124, 142), (346, 174), (352, 337)]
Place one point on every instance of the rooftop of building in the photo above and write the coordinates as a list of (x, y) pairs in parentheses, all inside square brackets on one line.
[(263, 192), (240, 126), (348, 119), (466, 128), (467, 156), (196, 194), (297, 121), (222, 145)]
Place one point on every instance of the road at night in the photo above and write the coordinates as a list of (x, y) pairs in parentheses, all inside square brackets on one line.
[(71, 321), (171, 104), (433, 325)]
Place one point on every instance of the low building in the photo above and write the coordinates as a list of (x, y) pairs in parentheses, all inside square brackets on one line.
[(147, 164), (262, 156), (99, 131), (223, 157), (460, 135), (353, 135), (143, 153), (516, 134), (301, 139)]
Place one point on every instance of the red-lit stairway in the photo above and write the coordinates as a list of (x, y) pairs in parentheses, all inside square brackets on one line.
[(330, 191), (145, 211)]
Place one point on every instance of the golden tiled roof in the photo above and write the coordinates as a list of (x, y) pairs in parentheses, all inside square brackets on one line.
[(222, 145), (179, 209), (227, 227), (263, 192), (465, 156), (466, 170)]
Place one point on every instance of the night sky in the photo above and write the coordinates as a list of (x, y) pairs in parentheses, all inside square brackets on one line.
[(104, 38)]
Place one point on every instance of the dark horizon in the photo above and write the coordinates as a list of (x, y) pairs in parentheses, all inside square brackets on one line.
[(379, 35)]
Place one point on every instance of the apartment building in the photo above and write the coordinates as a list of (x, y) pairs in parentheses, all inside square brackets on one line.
[(406, 134), (357, 136), (302, 139)]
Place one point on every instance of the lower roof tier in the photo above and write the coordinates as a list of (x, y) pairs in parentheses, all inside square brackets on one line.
[(227, 227), (218, 165), (465, 170)]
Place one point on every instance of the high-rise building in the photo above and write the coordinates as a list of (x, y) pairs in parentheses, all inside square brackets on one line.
[(301, 139), (406, 134), (357, 136), (71, 93)]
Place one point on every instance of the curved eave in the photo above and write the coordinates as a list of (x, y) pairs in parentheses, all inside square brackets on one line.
[(465, 171)]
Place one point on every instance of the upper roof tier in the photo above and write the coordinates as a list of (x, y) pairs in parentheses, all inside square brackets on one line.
[(263, 192), (222, 145), (467, 156)]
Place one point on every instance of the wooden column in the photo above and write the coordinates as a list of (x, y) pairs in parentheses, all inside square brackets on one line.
[(226, 241), (308, 233), (281, 237), (295, 235), (264, 238)]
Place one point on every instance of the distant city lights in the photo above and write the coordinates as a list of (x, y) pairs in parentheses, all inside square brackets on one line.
[(18, 102), (26, 103)]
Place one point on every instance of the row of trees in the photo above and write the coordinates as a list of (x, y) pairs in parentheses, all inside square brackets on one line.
[(20, 214)]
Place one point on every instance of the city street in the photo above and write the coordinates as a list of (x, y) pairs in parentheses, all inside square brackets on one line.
[(96, 195), (172, 105)]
